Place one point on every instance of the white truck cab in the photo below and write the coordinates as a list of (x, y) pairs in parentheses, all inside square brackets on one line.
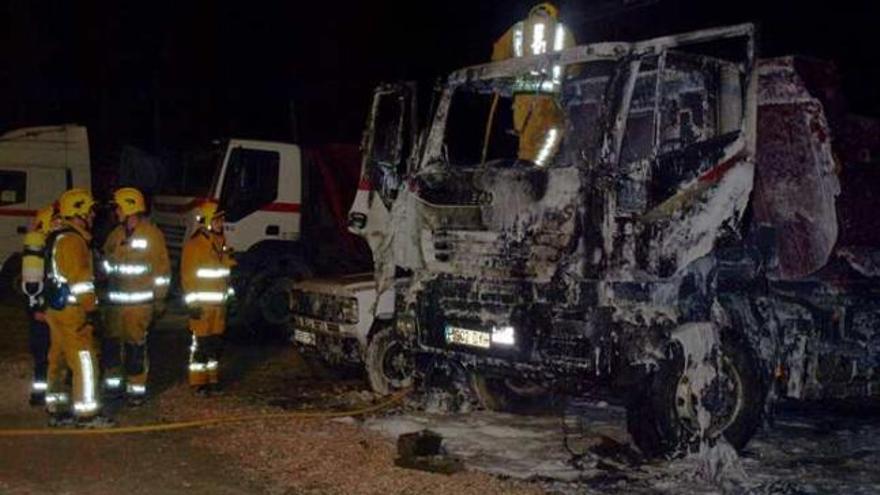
[(37, 164), (258, 185), (267, 189)]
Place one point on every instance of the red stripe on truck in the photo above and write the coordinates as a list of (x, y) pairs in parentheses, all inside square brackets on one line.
[(282, 207), (183, 208), (13, 212), (715, 173)]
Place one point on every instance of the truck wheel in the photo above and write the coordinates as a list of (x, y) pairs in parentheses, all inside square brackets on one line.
[(264, 308), (274, 302), (388, 362), (664, 419), (508, 394)]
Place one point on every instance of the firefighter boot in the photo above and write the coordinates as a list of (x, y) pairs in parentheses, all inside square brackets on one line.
[(38, 398), (136, 373), (39, 344), (113, 385), (61, 420), (198, 373), (95, 422), (213, 346)]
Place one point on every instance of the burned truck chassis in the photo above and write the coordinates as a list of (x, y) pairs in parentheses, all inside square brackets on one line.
[(806, 340), (785, 322)]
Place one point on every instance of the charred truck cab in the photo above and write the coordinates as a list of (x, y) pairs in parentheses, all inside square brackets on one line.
[(609, 217)]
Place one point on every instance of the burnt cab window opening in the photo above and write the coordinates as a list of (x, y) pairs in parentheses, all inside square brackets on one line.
[(387, 156), (251, 182), (687, 112), (502, 122), (528, 120), (467, 123), (680, 102), (13, 185)]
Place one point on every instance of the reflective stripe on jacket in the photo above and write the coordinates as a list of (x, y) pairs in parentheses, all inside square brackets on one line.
[(136, 264), (70, 262), (205, 269)]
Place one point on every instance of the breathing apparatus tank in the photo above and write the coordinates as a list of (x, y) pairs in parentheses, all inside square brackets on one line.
[(33, 266)]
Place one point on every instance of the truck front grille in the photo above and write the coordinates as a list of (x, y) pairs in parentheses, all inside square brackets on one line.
[(479, 305)]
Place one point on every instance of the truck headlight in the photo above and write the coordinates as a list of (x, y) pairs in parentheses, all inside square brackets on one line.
[(504, 335), (296, 301), (405, 325), (349, 310)]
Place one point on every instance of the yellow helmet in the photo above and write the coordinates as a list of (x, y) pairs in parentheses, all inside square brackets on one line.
[(75, 203), (130, 201), (43, 219), (547, 8), (207, 212)]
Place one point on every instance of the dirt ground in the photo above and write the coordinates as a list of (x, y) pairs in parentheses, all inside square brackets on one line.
[(275, 457), (804, 452)]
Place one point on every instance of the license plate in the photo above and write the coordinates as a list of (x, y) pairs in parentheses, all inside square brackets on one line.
[(463, 336), (304, 337)]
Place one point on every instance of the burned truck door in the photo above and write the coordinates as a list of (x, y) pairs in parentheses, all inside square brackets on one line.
[(388, 141), (684, 161)]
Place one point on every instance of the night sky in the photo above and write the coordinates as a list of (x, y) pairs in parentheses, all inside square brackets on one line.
[(165, 76)]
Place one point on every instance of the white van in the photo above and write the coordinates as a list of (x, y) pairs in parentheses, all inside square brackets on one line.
[(37, 164)]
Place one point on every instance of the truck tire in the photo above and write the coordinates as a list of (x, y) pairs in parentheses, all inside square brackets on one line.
[(263, 311), (508, 395), (661, 416), (388, 362)]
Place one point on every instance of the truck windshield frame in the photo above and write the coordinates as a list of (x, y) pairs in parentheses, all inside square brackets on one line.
[(604, 137), (511, 121)]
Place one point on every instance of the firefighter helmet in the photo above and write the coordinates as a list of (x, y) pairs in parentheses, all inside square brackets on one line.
[(76, 203), (130, 201), (545, 8), (43, 219), (207, 212)]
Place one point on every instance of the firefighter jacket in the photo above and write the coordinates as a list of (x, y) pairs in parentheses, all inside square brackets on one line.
[(136, 264), (537, 118), (70, 266), (535, 36), (205, 268)]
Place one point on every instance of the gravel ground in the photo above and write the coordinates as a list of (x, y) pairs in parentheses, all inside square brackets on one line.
[(274, 457), (806, 452), (321, 456), (313, 456)]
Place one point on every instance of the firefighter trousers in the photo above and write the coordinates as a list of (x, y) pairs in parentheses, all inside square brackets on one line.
[(207, 345), (72, 349), (38, 341), (539, 123), (124, 347)]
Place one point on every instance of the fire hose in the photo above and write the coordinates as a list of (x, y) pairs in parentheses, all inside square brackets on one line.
[(391, 401)]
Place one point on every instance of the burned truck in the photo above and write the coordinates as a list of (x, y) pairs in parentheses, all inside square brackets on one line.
[(657, 244)]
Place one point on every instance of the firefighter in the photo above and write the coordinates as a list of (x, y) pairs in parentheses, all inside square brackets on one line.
[(135, 262), (204, 276), (538, 119), (33, 273), (70, 296)]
